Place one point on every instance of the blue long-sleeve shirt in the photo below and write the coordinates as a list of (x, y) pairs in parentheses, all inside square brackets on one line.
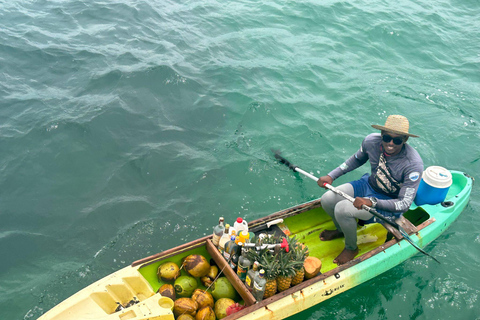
[(406, 168)]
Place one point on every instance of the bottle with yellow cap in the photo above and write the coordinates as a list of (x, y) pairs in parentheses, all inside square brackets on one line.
[(224, 238), (243, 236)]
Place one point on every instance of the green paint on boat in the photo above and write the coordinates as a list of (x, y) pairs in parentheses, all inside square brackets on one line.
[(307, 226), (149, 271), (378, 253)]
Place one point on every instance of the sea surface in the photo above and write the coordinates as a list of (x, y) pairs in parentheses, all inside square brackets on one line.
[(129, 127)]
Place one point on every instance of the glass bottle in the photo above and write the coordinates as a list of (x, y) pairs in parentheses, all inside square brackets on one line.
[(251, 275), (243, 265), (230, 247), (218, 232), (224, 239), (235, 255), (259, 285)]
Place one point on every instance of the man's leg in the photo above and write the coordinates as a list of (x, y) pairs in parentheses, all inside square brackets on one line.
[(330, 199), (346, 215)]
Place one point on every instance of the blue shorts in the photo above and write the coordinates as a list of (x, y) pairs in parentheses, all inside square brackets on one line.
[(363, 189)]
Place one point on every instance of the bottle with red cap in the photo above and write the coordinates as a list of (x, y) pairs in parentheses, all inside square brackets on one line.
[(240, 225)]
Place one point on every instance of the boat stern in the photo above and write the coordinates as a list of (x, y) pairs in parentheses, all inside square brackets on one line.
[(105, 299)]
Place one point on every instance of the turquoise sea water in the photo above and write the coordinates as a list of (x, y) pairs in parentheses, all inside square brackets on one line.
[(129, 127)]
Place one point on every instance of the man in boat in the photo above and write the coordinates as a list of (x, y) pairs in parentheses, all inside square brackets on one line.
[(390, 188)]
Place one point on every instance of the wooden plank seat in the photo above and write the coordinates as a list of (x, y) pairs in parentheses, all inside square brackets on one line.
[(405, 224)]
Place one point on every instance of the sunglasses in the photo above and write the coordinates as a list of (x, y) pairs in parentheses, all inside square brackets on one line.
[(398, 140)]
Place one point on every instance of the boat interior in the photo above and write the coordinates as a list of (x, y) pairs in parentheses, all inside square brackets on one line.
[(306, 225), (305, 221)]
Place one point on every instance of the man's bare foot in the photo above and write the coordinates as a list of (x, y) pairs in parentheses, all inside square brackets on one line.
[(345, 256), (328, 235)]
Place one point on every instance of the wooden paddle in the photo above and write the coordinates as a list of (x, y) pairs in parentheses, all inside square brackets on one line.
[(351, 199)]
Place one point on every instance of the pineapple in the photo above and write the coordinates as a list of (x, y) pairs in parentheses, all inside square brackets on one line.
[(299, 276), (270, 288), (269, 263), (279, 265), (286, 270), (299, 253)]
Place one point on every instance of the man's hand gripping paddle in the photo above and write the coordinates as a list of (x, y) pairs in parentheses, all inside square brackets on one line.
[(351, 199)]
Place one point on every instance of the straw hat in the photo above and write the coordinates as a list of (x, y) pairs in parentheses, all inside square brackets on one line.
[(396, 124)]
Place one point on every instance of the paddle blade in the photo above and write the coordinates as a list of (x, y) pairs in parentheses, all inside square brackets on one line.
[(283, 160), (407, 238)]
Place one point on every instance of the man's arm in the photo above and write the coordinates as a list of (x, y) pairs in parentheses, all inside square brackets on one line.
[(352, 163)]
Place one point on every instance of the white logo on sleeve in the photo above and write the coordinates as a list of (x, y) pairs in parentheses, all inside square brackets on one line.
[(414, 176)]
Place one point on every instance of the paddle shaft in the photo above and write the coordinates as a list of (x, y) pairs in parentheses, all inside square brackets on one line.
[(351, 199)]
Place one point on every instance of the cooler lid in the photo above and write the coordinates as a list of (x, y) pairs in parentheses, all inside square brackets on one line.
[(437, 177)]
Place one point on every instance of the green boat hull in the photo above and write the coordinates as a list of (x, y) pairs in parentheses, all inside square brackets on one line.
[(430, 220)]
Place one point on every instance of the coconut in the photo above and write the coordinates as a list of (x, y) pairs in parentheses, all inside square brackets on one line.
[(213, 272), (168, 271), (185, 306), (205, 313), (185, 285), (196, 265), (221, 307), (203, 298), (167, 290), (312, 267), (222, 288), (206, 281)]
